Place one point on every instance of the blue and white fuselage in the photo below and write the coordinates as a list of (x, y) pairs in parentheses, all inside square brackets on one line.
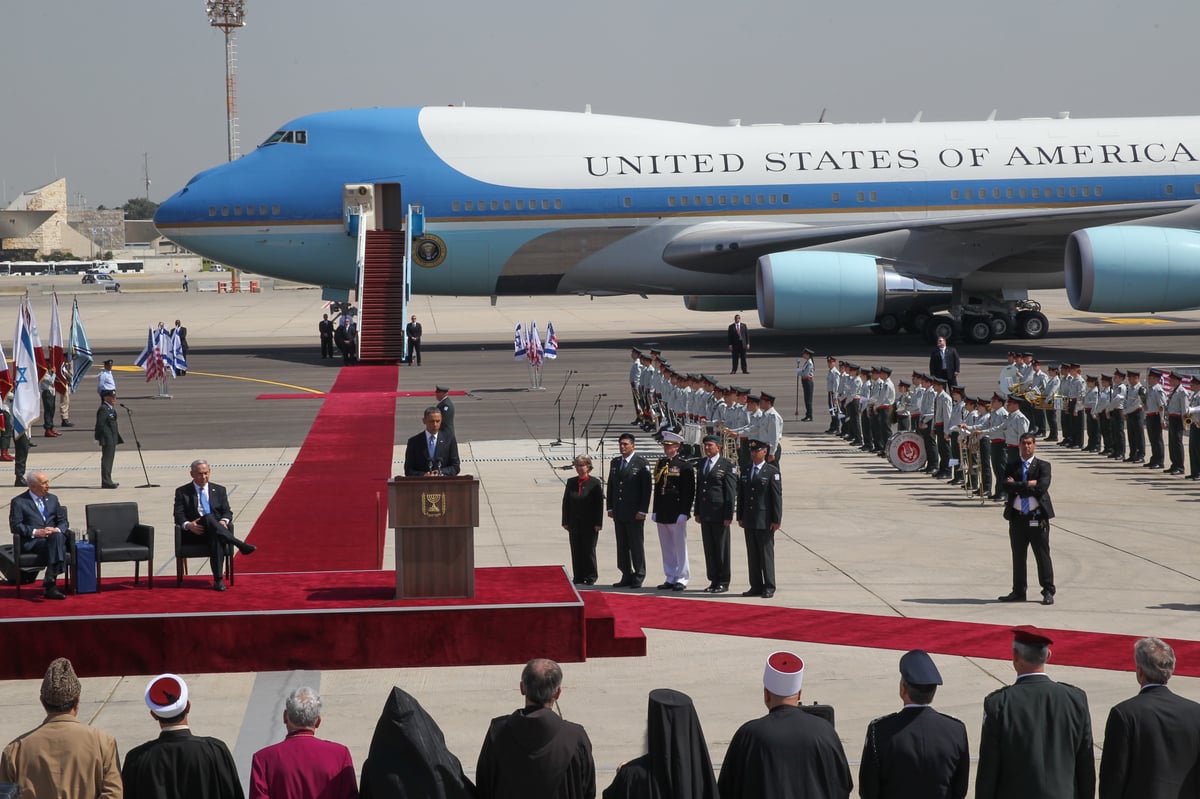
[(812, 220)]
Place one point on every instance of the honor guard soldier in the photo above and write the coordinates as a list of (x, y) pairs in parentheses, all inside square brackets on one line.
[(806, 371), (915, 400), (1053, 395), (716, 498), (1193, 413), (759, 514), (832, 380), (1091, 412), (674, 493), (865, 393), (771, 428), (1009, 376), (994, 432), (446, 407), (916, 752), (1037, 383), (954, 455), (903, 397), (635, 373), (1037, 733), (1156, 404), (1177, 406), (1102, 412), (885, 404), (1015, 426), (928, 401), (1135, 417), (942, 405), (978, 429), (1116, 412), (851, 388)]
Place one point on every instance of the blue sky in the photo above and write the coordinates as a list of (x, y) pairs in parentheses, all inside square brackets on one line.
[(90, 87)]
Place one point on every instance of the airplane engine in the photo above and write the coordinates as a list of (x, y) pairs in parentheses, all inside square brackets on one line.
[(1133, 268), (716, 302), (816, 288)]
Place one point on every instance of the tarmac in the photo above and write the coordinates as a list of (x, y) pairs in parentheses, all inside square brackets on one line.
[(858, 536)]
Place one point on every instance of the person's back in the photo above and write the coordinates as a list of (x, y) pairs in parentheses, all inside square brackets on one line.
[(534, 753), (180, 765), (788, 753), (302, 766)]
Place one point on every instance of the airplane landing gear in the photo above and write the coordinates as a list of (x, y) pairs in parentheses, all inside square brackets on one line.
[(978, 329)]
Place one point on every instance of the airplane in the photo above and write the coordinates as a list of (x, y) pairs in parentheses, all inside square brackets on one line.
[(814, 225)]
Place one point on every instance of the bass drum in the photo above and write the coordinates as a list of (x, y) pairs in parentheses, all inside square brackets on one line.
[(906, 451)]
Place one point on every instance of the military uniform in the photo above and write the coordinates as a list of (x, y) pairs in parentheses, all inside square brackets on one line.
[(759, 513), (628, 496), (1135, 418), (447, 410), (1177, 406), (1156, 403), (107, 434), (674, 494), (806, 373), (716, 496)]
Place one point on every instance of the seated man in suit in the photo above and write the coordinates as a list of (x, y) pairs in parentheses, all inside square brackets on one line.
[(41, 523), (202, 509), (432, 453)]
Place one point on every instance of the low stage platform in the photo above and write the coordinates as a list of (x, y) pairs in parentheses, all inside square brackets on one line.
[(308, 620)]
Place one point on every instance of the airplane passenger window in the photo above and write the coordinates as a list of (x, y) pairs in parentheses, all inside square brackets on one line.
[(1099, 190), (837, 197), (1061, 193), (249, 210), (670, 202), (470, 205), (995, 194), (709, 200), (697, 200), (508, 205), (1087, 191), (237, 210), (1036, 192), (455, 205), (1023, 192), (860, 196), (721, 200), (627, 202), (787, 199), (1170, 188), (683, 200), (274, 210), (954, 194), (1074, 191), (495, 205), (760, 199), (262, 209), (733, 199), (873, 197), (212, 210), (520, 205), (224, 210), (558, 204), (1008, 193), (545, 205)]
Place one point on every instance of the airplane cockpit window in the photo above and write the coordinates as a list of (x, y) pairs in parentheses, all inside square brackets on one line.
[(287, 137)]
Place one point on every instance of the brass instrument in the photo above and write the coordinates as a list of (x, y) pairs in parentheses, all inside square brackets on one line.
[(1043, 402), (974, 466), (729, 442), (1188, 422)]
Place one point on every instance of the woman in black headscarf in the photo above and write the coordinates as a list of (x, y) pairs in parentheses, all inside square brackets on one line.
[(677, 765), (408, 757)]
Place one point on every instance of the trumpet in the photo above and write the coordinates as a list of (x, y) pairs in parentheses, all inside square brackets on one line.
[(1043, 402), (1188, 421)]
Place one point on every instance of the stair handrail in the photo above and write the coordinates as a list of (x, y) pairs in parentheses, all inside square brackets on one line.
[(406, 295), (360, 259)]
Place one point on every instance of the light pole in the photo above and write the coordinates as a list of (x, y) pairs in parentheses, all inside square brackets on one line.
[(229, 15)]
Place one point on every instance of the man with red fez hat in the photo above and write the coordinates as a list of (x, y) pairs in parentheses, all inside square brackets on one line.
[(177, 764), (1037, 733), (788, 752)]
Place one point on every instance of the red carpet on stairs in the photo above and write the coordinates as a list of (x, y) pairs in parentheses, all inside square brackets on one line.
[(959, 638), (325, 515)]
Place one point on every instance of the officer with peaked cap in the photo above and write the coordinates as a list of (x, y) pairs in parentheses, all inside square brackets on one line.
[(916, 752), (805, 370), (759, 514), (442, 393), (674, 494), (788, 753), (1037, 733)]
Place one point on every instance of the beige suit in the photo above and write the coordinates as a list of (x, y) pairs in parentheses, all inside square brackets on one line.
[(63, 758)]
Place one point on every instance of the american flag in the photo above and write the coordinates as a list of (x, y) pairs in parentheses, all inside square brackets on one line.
[(151, 358)]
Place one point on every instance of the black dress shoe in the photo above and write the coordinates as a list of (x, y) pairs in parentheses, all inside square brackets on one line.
[(67, 423), (710, 589), (109, 485), (52, 592), (219, 585), (20, 482), (636, 584), (247, 549), (1047, 598), (678, 587), (1013, 597), (767, 593), (1169, 471), (621, 584), (667, 586), (752, 593), (579, 582), (806, 419), (721, 589)]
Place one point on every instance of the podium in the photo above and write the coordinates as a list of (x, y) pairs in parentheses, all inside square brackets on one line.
[(435, 520)]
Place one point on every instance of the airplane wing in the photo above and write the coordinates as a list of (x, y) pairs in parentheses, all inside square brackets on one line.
[(937, 248)]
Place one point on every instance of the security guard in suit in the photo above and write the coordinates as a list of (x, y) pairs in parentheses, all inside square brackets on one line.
[(716, 497), (759, 514), (1037, 733), (916, 752), (628, 503)]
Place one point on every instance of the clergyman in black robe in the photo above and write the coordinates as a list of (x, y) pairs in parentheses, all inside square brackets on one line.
[(677, 765), (408, 757)]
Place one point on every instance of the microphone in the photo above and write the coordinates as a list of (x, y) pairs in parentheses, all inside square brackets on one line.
[(584, 385), (602, 395), (123, 405), (618, 406), (436, 466)]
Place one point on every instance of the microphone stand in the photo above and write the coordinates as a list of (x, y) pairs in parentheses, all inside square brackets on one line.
[(558, 405), (595, 405), (574, 407), (136, 440), (611, 413)]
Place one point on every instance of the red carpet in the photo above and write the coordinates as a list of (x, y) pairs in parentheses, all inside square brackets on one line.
[(385, 393), (276, 622), (958, 638), (326, 515)]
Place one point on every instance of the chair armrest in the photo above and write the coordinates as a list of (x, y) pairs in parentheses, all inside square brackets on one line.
[(144, 534)]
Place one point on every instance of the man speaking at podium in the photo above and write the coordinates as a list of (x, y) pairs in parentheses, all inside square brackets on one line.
[(431, 453)]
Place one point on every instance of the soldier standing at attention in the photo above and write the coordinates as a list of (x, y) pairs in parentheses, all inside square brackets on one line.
[(628, 502), (759, 514), (806, 370), (674, 494), (442, 394)]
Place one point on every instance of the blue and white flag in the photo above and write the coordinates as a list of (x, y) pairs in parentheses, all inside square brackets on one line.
[(519, 344), (551, 342), (176, 359), (79, 352), (27, 394), (151, 358)]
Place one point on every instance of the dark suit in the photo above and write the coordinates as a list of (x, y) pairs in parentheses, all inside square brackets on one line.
[(1032, 530), (445, 454), (918, 753), (24, 517), (1036, 742), (739, 342), (629, 489), (716, 497), (1151, 747), (346, 337), (583, 516), (948, 371), (325, 328), (217, 536), (109, 436), (413, 331), (760, 505)]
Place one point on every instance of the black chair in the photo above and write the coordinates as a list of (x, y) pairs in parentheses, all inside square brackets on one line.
[(190, 545), (118, 536), (37, 560)]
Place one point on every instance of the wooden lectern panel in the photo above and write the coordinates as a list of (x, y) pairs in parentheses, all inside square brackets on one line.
[(435, 520)]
